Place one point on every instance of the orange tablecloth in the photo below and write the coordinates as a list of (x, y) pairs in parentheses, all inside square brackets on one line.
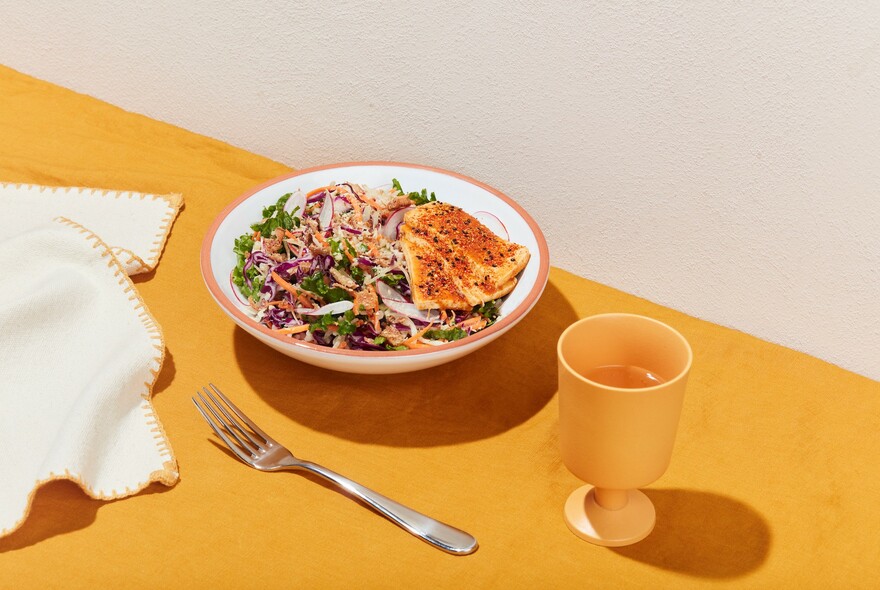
[(775, 479)]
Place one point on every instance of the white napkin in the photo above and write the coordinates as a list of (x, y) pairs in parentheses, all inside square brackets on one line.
[(79, 351)]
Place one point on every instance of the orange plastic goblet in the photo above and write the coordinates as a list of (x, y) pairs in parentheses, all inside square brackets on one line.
[(621, 385)]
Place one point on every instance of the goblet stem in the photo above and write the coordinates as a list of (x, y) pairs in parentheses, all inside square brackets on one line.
[(611, 499)]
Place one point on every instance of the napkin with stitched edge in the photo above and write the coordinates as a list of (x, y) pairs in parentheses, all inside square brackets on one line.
[(79, 350)]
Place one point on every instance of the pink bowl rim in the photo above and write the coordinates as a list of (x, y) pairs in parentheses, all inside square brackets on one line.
[(506, 321)]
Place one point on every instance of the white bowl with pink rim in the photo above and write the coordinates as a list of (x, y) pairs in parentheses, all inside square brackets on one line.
[(496, 210)]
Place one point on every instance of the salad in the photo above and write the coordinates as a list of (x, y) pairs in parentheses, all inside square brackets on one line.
[(326, 267)]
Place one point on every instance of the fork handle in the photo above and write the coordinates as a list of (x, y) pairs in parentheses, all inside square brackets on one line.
[(441, 535)]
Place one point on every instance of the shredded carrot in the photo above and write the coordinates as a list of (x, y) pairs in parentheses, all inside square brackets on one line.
[(289, 234), (317, 235), (312, 193), (372, 306), (276, 302), (354, 204), (293, 330), (471, 322), (284, 284), (351, 193), (412, 340), (370, 202)]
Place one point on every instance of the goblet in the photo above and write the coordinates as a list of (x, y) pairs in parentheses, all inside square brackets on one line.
[(621, 385)]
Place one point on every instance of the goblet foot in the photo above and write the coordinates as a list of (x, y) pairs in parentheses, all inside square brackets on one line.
[(610, 528)]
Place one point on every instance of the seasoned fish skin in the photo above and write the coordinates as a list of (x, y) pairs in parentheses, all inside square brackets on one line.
[(455, 261), (433, 287)]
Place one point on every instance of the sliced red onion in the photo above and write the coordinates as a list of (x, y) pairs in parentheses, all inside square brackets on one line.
[(352, 230), (396, 303), (234, 290), (244, 274), (297, 199), (334, 308), (326, 214), (357, 196), (491, 221), (317, 197), (391, 227)]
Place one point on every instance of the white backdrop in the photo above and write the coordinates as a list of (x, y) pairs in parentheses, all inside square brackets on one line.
[(719, 158)]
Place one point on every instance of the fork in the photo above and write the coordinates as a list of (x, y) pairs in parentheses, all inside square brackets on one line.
[(259, 450)]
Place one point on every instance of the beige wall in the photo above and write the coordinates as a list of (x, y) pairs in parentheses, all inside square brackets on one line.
[(720, 158)]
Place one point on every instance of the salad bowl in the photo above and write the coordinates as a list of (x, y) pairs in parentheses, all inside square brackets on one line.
[(495, 210)]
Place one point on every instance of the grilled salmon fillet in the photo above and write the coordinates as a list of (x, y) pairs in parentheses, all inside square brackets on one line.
[(455, 262)]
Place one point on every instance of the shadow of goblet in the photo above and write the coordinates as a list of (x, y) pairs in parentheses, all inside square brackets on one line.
[(483, 394), (702, 534)]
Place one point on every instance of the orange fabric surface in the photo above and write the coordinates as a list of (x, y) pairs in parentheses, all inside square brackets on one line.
[(774, 480)]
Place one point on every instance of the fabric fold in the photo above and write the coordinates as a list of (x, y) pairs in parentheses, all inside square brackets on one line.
[(80, 350), (134, 226)]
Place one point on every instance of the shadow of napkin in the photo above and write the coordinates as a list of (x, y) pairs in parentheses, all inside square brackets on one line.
[(60, 507)]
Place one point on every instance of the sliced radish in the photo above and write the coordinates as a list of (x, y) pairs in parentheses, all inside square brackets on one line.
[(326, 214), (389, 293), (389, 230), (334, 308), (297, 199), (341, 205), (491, 221), (411, 311), (398, 304)]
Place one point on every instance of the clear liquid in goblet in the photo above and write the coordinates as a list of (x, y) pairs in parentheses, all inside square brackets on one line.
[(624, 376)]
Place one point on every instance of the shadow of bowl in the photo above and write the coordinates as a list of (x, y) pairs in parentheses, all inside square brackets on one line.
[(702, 534), (483, 394)]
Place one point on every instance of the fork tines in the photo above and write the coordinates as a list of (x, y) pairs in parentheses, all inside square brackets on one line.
[(233, 421)]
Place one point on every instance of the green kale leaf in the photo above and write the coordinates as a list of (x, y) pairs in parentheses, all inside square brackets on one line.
[(419, 198), (449, 335)]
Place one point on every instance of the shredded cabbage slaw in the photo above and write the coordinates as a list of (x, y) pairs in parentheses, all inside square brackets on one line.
[(326, 267)]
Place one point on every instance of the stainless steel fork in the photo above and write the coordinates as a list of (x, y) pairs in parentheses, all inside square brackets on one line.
[(261, 451)]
